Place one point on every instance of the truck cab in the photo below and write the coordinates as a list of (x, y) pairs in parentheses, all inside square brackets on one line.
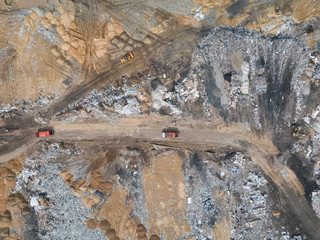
[(170, 133), (44, 133)]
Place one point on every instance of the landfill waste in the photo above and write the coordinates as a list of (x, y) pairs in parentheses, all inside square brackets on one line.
[(60, 214)]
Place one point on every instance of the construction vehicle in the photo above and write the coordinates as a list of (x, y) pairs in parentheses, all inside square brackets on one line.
[(170, 133), (126, 57), (44, 133)]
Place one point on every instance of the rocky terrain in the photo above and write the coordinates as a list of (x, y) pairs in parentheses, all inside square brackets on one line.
[(238, 80)]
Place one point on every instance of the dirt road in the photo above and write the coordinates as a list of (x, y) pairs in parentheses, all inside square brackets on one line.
[(194, 135)]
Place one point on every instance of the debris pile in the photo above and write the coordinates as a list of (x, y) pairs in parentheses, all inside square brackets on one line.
[(101, 104), (316, 202), (29, 106), (187, 90), (161, 103), (238, 70), (60, 214), (239, 192)]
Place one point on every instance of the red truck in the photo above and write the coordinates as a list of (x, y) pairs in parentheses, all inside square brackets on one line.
[(44, 134), (170, 133)]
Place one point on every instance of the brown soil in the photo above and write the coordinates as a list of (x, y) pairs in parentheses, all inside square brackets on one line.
[(165, 194), (87, 202), (15, 164), (105, 158), (141, 232), (12, 206), (117, 214), (111, 233), (79, 188), (222, 229), (67, 177), (154, 237), (96, 182), (104, 225), (92, 224)]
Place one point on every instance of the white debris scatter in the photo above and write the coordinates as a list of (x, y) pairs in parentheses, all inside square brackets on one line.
[(198, 14), (34, 203), (132, 107), (245, 78), (187, 90), (158, 98), (316, 202)]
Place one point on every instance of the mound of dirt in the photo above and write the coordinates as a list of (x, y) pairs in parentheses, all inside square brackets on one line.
[(95, 179), (92, 224), (111, 233), (17, 199), (87, 202), (25, 211), (14, 165), (154, 237), (6, 217), (4, 232), (3, 204), (9, 176), (3, 173), (105, 187), (67, 177), (82, 185), (76, 192), (104, 225), (95, 182), (141, 232)]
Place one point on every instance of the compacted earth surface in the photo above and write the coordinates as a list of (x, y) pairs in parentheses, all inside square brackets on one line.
[(235, 81)]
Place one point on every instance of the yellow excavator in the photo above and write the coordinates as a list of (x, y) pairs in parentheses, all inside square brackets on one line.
[(126, 57)]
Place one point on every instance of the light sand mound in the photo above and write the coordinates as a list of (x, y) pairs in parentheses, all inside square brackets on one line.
[(87, 202)]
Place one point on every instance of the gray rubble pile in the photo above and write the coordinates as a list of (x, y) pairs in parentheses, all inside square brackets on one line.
[(60, 214), (316, 202), (29, 106), (252, 78), (234, 190), (109, 103)]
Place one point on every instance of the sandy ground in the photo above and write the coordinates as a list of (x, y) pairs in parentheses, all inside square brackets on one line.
[(222, 229), (11, 207), (17, 152), (166, 196)]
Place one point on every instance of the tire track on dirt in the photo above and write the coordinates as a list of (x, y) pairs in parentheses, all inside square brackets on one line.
[(182, 34)]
